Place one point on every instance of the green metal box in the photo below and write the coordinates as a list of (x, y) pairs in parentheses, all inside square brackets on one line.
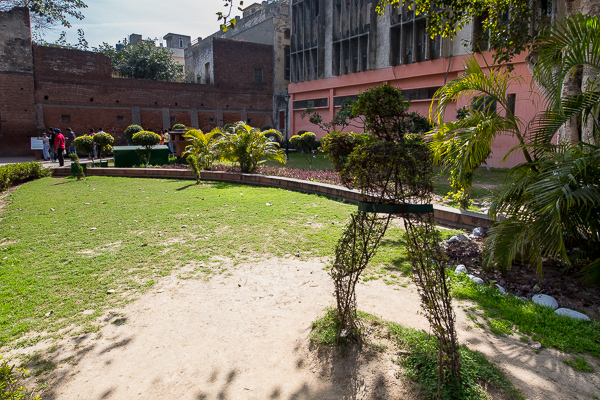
[(127, 157)]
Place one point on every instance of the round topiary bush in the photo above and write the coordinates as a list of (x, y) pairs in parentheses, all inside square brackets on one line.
[(104, 141), (147, 140), (266, 127), (178, 126), (84, 144), (132, 130)]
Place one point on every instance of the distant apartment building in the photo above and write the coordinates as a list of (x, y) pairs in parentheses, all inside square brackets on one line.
[(339, 48), (177, 44), (267, 23)]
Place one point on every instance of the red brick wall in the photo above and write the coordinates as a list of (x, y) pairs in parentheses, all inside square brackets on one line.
[(17, 105), (75, 89), (17, 113)]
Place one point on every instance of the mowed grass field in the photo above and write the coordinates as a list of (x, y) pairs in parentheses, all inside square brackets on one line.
[(66, 243)]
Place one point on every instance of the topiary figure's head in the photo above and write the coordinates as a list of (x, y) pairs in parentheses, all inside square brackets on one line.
[(146, 139), (85, 144), (132, 130)]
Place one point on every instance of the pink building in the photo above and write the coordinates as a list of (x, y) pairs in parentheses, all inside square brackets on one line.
[(339, 49)]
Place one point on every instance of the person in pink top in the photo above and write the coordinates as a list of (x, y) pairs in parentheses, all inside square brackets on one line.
[(59, 144)]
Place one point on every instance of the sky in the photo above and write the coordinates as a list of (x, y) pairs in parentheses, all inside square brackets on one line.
[(112, 20)]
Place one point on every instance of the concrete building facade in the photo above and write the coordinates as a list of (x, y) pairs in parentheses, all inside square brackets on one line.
[(340, 48), (177, 43), (267, 23), (48, 86)]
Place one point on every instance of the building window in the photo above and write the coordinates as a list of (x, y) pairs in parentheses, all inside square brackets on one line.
[(286, 34), (249, 121), (172, 120), (207, 73), (511, 99), (211, 120), (258, 75), (120, 118), (65, 118), (286, 52), (181, 43)]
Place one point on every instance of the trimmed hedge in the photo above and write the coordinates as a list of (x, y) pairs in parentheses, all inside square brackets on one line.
[(15, 174)]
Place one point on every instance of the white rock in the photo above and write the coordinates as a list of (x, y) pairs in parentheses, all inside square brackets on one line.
[(184, 226), (462, 238), (572, 314), (479, 232), (453, 239), (470, 276), (111, 291), (545, 300), (477, 280), (268, 204), (501, 289), (460, 269), (93, 229)]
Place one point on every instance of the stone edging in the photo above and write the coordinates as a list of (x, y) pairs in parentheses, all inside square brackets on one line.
[(444, 215)]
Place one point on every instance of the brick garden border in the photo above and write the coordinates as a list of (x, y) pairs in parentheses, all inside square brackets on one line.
[(447, 216)]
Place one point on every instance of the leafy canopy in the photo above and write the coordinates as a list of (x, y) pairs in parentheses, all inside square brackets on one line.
[(501, 20), (248, 146), (143, 61)]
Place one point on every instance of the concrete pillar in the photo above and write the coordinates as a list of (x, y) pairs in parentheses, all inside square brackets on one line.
[(244, 115), (219, 115), (166, 117), (194, 118), (136, 116)]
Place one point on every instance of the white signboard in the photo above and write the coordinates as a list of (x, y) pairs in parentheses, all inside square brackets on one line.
[(37, 144)]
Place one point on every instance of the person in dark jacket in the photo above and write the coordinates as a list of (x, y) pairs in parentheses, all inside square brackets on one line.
[(59, 145), (51, 136), (69, 146)]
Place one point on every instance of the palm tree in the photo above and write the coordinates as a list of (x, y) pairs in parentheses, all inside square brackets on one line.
[(462, 146), (248, 146), (552, 201)]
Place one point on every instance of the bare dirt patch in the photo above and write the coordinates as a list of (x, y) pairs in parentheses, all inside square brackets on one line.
[(244, 335)]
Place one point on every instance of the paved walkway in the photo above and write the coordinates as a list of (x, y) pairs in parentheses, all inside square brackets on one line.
[(47, 164)]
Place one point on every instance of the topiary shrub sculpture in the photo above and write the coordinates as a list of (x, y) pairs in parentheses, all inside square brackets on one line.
[(85, 144), (132, 130), (104, 141), (147, 140), (305, 143), (178, 127), (393, 171)]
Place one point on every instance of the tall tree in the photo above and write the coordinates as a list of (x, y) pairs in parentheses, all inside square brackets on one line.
[(143, 61), (48, 13)]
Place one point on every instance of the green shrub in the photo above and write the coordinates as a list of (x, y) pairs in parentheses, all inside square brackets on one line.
[(85, 144), (75, 158), (178, 126), (147, 140), (248, 146), (201, 153), (266, 127), (306, 143), (132, 130), (10, 387), (15, 174), (104, 141)]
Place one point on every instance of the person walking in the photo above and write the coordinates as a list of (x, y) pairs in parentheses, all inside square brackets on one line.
[(46, 143), (93, 146), (70, 139), (59, 144), (167, 140), (51, 136)]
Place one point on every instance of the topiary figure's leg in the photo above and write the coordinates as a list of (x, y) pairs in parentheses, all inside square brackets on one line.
[(353, 252), (429, 273)]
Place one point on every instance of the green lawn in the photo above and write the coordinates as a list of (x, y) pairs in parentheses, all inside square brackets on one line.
[(299, 160), (65, 243), (484, 182)]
